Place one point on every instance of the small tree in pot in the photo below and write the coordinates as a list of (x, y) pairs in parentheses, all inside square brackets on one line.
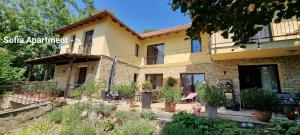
[(128, 91), (146, 95), (264, 102), (170, 96), (213, 98)]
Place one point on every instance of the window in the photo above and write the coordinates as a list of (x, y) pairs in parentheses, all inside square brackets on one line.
[(189, 81), (72, 42), (135, 76), (155, 54), (155, 79), (136, 50), (196, 46), (88, 38), (88, 41)]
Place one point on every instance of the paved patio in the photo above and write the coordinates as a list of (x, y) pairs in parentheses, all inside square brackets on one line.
[(158, 109)]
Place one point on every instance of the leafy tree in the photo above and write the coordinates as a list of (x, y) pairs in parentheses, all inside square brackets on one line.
[(36, 18), (8, 73), (242, 18)]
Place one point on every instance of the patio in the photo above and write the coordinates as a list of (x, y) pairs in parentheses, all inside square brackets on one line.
[(245, 116)]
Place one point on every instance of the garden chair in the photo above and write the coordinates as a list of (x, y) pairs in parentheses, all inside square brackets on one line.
[(190, 96)]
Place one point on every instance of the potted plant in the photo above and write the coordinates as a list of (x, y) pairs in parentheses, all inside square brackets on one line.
[(171, 82), (264, 102), (213, 98), (128, 91), (170, 96), (146, 95)]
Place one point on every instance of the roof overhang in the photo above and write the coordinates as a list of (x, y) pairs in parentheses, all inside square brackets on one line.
[(62, 59), (104, 14), (94, 18)]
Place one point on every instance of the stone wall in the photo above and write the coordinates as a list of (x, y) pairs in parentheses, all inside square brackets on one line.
[(288, 68), (13, 119), (124, 71)]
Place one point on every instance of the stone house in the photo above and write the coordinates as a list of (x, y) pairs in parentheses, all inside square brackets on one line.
[(270, 61)]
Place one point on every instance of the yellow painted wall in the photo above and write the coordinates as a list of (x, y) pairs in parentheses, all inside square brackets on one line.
[(120, 43), (99, 40), (93, 72), (177, 49)]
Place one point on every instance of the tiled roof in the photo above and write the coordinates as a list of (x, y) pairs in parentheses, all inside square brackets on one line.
[(101, 15), (165, 31)]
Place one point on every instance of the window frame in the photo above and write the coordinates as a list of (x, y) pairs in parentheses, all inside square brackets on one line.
[(200, 45), (160, 56), (137, 48), (72, 43)]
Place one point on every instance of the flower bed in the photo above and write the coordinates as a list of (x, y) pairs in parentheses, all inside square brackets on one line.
[(90, 119)]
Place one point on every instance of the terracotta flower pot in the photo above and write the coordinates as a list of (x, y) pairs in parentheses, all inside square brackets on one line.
[(170, 107), (263, 116)]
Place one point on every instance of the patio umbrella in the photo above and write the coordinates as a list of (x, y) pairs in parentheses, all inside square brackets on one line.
[(111, 78)]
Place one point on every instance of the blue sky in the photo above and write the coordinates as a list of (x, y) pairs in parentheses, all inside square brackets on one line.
[(144, 14)]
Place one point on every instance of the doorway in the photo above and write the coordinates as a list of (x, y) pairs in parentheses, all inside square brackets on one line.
[(155, 79), (189, 82), (259, 76), (82, 75)]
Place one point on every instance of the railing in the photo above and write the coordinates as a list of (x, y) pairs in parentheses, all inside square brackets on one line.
[(26, 93), (158, 59), (84, 49), (69, 50), (287, 29)]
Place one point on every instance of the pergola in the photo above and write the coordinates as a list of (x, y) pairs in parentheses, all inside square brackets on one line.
[(61, 59)]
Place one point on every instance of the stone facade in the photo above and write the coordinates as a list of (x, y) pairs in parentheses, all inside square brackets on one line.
[(288, 68), (124, 71)]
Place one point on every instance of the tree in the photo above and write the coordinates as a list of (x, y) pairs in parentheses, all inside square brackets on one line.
[(242, 18), (8, 73), (36, 18)]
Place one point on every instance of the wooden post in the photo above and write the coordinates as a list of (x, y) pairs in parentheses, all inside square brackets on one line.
[(29, 68), (69, 77), (46, 73)]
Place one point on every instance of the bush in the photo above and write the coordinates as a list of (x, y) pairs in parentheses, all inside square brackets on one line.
[(170, 95), (171, 82), (192, 124), (70, 115), (127, 115), (86, 89), (179, 129), (127, 90), (264, 100), (106, 125), (56, 116), (137, 128), (283, 125), (293, 131), (211, 94), (66, 129), (148, 114), (84, 128), (147, 86), (106, 110), (39, 127)]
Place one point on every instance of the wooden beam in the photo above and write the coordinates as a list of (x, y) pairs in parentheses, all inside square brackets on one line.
[(29, 68), (70, 65)]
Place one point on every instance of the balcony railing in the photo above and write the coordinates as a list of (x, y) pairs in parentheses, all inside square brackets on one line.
[(69, 50), (287, 29), (158, 59), (84, 49)]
